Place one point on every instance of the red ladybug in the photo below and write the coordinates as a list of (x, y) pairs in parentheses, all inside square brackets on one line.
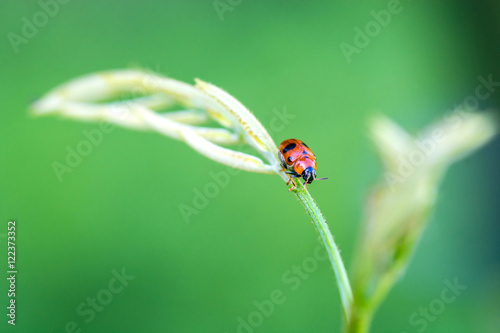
[(298, 161)]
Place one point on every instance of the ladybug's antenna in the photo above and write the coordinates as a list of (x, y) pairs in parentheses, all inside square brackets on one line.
[(321, 178)]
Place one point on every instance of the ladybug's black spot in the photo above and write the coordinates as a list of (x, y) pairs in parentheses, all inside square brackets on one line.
[(289, 159), (304, 152), (288, 147)]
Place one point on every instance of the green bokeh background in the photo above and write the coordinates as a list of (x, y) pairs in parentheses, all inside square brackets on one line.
[(120, 206)]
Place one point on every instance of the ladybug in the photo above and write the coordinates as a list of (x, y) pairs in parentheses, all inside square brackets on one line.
[(298, 161)]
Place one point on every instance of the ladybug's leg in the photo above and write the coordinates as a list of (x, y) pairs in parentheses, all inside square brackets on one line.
[(290, 175)]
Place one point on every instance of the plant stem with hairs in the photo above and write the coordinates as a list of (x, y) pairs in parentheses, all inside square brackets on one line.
[(332, 249)]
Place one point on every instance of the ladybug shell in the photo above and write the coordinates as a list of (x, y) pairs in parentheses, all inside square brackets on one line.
[(296, 156)]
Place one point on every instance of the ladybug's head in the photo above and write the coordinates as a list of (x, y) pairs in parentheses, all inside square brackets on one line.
[(309, 175)]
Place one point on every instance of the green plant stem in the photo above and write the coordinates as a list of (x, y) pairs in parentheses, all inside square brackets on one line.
[(365, 305), (363, 310), (331, 248), (360, 320)]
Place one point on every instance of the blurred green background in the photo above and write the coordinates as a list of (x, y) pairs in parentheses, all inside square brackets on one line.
[(120, 207)]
